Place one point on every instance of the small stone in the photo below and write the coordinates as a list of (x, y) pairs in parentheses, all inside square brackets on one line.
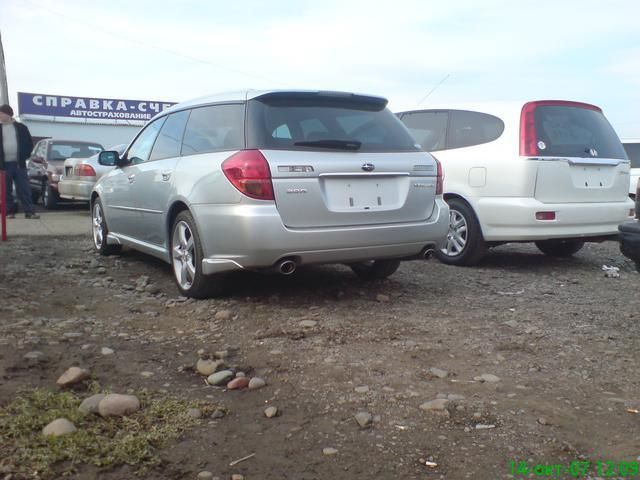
[(329, 451), (237, 476), (364, 419), (202, 353), (270, 412), (72, 376), (438, 373), (220, 378), (117, 405), (101, 270), (238, 383), (221, 354), (240, 374), (383, 298), (90, 405), (194, 413), (543, 421), (455, 397), (362, 389), (206, 367), (152, 289), (106, 351), (482, 426), (72, 334), (308, 323), (146, 374), (256, 383), (223, 315), (205, 475), (218, 413), (438, 406), (34, 356), (59, 427), (487, 377)]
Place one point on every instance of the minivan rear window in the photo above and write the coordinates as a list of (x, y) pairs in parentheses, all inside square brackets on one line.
[(310, 121), (569, 131), (633, 152)]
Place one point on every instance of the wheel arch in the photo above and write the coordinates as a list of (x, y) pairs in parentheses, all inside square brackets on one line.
[(177, 207), (451, 196)]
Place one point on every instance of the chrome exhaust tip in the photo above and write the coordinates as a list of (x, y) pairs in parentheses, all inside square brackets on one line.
[(287, 267), (428, 253)]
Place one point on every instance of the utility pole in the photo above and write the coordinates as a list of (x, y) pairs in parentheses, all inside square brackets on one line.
[(4, 88)]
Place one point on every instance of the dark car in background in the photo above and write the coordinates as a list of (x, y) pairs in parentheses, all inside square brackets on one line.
[(46, 166), (629, 233)]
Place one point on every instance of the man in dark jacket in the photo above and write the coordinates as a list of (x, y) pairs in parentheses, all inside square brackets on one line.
[(15, 147)]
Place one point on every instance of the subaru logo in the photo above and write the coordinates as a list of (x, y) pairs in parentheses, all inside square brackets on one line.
[(593, 152), (368, 167)]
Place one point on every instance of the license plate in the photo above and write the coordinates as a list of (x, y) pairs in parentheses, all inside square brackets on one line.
[(361, 193)]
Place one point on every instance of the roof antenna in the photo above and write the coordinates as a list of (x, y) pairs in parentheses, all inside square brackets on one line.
[(434, 88)]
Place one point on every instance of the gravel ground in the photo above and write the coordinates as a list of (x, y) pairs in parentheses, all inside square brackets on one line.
[(531, 359)]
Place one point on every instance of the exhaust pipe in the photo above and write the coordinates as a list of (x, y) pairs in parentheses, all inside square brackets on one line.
[(427, 253), (286, 267)]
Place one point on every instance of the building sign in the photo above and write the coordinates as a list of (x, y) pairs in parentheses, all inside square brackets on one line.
[(87, 107)]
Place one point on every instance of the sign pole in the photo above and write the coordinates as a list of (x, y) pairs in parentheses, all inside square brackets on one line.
[(4, 88), (3, 205)]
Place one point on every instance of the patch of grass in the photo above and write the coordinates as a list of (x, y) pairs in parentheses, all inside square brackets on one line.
[(103, 442)]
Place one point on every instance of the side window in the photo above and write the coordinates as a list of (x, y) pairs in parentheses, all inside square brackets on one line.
[(38, 150), (282, 132), (429, 129), (170, 137), (214, 128), (141, 147), (473, 128)]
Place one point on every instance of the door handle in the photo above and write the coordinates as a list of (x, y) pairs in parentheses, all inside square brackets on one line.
[(166, 175), (131, 178)]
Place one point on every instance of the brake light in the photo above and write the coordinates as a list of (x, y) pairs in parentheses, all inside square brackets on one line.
[(84, 170), (528, 133), (249, 172), (439, 177)]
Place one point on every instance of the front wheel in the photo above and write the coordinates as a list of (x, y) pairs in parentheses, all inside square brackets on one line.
[(465, 243), (375, 269), (186, 259), (559, 248), (100, 231), (49, 197)]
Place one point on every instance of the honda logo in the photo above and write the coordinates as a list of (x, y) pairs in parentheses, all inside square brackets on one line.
[(368, 167)]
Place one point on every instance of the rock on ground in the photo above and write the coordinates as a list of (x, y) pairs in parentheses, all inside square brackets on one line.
[(90, 405), (117, 405), (58, 427), (72, 376), (256, 383)]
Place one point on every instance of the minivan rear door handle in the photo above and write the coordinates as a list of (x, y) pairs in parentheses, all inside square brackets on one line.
[(166, 175), (131, 178)]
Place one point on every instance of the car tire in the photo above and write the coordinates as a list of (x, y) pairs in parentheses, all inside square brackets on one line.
[(49, 197), (375, 269), (100, 231), (465, 244), (186, 260), (559, 248)]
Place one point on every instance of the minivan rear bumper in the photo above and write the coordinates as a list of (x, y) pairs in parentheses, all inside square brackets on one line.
[(514, 219), (253, 237)]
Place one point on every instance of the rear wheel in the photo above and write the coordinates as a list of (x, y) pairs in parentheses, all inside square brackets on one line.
[(559, 248), (186, 259), (100, 231), (465, 243), (49, 197), (375, 269)]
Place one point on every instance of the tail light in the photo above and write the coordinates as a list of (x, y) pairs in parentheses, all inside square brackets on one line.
[(249, 172), (84, 170), (528, 133), (439, 177)]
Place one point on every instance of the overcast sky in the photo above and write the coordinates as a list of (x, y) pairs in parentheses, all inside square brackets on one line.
[(483, 50)]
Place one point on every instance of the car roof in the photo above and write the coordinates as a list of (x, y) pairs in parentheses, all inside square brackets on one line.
[(244, 95)]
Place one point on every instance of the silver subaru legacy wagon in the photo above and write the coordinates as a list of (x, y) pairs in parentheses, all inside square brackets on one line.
[(270, 181)]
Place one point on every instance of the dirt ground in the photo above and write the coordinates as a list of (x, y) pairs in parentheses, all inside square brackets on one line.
[(562, 338)]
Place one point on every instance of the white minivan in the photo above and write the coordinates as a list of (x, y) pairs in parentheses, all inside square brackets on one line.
[(632, 147), (550, 172)]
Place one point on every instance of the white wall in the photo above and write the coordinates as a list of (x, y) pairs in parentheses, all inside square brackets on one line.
[(106, 135)]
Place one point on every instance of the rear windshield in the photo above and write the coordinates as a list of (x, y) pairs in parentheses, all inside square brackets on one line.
[(576, 132), (633, 152), (64, 150), (315, 122)]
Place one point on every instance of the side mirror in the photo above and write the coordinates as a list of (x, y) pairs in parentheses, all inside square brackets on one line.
[(109, 158)]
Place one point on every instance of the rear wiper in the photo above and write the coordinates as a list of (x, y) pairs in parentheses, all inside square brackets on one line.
[(338, 144)]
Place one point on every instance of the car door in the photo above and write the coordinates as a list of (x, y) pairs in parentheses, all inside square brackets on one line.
[(120, 209), (35, 166), (153, 186)]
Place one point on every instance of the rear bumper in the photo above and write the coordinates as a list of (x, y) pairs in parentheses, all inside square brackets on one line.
[(629, 234), (514, 219), (75, 189), (254, 237)]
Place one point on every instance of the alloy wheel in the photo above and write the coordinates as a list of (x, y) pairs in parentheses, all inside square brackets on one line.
[(457, 234), (97, 226), (183, 253)]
